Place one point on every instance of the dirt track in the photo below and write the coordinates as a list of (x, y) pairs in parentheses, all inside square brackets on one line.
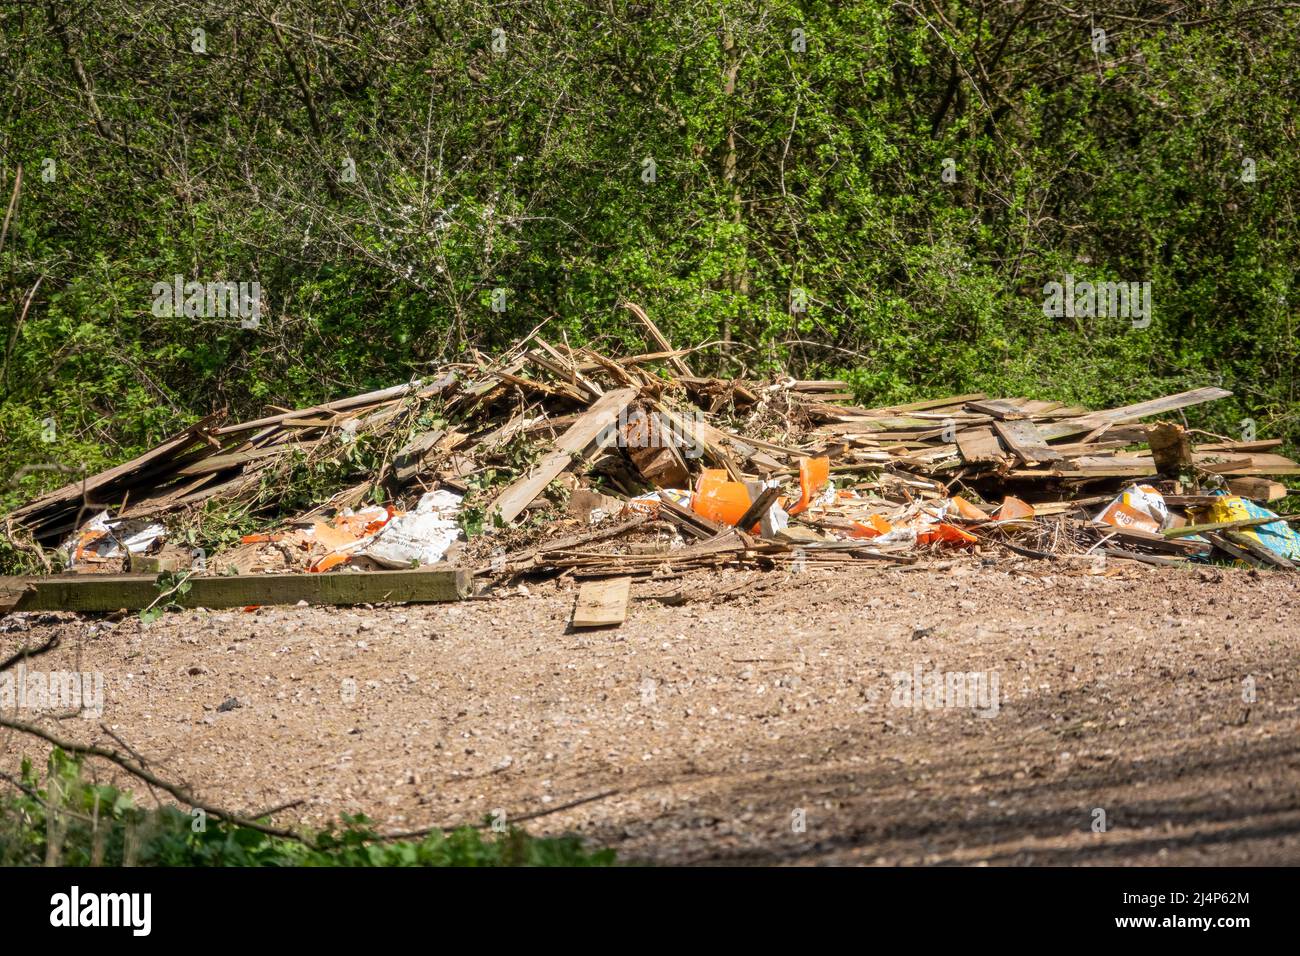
[(715, 722)]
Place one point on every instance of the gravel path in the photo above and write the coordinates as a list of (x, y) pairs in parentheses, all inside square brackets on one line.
[(769, 725)]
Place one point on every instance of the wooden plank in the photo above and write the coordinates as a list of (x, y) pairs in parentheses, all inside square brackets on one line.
[(820, 385), (660, 339), (1225, 526), (892, 423), (1095, 449), (862, 431), (563, 368), (215, 463), (111, 592), (73, 491), (1107, 466), (1037, 408), (1258, 489), (1145, 558), (979, 446), (602, 603), (408, 461), (1065, 411), (602, 414), (1168, 403), (686, 519), (833, 396), (344, 404), (1147, 539), (1131, 413), (1259, 463), (1171, 450), (1000, 409), (932, 403), (1258, 550), (308, 423), (1230, 549), (157, 563), (1043, 509), (1023, 438), (1264, 444), (758, 508)]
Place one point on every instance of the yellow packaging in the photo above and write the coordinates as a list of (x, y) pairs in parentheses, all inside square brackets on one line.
[(1277, 536)]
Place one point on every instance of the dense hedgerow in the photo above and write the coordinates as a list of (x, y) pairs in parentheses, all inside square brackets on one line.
[(380, 168)]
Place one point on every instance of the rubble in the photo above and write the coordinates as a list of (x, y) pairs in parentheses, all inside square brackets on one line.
[(665, 471)]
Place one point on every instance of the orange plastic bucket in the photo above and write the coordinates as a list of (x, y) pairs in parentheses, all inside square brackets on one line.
[(720, 499)]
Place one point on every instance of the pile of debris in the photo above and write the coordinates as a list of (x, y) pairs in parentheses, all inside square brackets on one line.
[(637, 467)]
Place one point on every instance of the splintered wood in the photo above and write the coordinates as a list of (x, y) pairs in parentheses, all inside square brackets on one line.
[(578, 438)]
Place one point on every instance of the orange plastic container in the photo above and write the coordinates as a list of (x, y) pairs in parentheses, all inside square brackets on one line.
[(966, 510), (873, 527), (331, 561), (1013, 507), (947, 534), (813, 475), (718, 498)]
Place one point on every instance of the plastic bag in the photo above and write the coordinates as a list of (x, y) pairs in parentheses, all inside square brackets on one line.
[(420, 537)]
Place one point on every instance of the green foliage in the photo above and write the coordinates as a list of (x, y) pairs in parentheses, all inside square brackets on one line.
[(524, 170), (481, 488), (20, 557), (170, 585), (64, 820), (217, 526)]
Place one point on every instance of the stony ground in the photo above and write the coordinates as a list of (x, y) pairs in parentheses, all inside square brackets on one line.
[(767, 724)]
